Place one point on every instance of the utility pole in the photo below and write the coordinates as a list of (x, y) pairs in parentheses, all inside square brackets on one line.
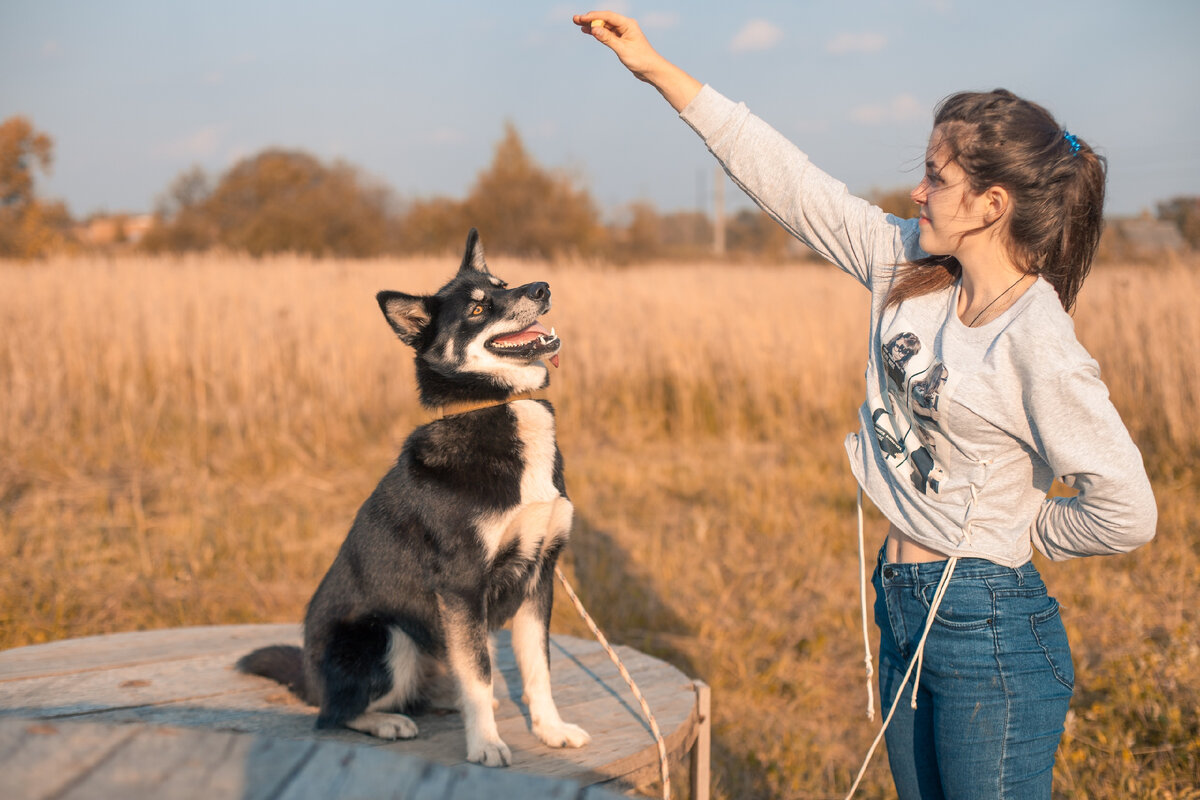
[(719, 212)]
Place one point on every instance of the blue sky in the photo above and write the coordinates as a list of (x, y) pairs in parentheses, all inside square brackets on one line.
[(416, 94)]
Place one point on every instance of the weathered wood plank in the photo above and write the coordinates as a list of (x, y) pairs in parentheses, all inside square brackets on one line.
[(124, 686), (82, 760), (139, 647), (42, 764), (186, 679)]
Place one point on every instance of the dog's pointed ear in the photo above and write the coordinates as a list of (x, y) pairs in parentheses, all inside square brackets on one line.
[(408, 315), (473, 259)]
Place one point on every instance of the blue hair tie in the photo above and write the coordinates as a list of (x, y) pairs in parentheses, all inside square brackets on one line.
[(1073, 141)]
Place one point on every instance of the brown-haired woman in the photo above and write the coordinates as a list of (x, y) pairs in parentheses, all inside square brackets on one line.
[(978, 396)]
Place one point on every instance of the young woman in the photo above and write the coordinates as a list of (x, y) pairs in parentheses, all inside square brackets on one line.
[(978, 396)]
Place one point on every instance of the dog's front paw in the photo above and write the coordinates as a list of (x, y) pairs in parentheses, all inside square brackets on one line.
[(562, 734), (384, 726), (489, 752)]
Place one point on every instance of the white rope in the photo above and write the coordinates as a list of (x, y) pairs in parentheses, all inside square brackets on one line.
[(658, 738), (913, 662), (935, 604), (862, 596)]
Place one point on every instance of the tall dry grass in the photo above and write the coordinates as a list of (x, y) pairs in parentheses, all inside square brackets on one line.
[(185, 441)]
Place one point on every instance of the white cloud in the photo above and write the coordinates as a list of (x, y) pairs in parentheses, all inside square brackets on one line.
[(901, 108), (856, 43), (755, 35), (198, 144)]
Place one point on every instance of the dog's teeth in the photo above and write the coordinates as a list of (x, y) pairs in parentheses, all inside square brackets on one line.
[(553, 335)]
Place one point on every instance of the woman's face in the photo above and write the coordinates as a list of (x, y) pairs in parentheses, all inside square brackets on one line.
[(949, 210)]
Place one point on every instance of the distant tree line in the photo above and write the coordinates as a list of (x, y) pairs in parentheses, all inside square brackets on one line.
[(290, 201), (282, 200)]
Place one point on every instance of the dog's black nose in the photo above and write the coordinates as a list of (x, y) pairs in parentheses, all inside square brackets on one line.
[(538, 291)]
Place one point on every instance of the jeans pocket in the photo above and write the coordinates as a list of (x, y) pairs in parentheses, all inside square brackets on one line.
[(880, 606), (1051, 636), (966, 606)]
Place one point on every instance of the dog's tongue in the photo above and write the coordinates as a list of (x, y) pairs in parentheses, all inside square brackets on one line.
[(528, 335)]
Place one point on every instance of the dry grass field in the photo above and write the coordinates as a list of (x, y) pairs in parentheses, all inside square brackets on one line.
[(185, 442)]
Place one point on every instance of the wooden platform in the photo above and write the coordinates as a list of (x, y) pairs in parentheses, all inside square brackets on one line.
[(164, 714)]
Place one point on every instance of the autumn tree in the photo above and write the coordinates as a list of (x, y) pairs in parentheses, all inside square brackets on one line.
[(181, 222), (525, 210), (276, 201), (434, 226), (29, 227)]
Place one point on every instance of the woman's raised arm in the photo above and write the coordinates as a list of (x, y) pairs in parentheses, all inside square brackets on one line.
[(623, 36)]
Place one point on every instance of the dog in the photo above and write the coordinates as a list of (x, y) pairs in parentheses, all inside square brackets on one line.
[(461, 536)]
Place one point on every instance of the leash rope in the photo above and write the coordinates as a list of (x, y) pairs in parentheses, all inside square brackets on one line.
[(658, 737), (917, 659)]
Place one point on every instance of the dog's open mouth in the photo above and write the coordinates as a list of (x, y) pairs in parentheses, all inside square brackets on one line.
[(532, 343)]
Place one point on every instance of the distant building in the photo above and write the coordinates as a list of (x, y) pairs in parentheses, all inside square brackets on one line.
[(105, 230)]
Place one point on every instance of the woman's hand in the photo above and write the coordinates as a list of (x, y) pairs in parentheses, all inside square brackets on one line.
[(623, 36)]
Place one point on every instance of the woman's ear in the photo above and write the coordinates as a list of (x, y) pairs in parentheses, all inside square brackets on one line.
[(996, 201)]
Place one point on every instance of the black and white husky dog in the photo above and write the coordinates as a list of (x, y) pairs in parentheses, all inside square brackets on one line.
[(460, 537)]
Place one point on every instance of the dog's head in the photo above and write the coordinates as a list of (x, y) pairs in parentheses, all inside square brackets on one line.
[(475, 339)]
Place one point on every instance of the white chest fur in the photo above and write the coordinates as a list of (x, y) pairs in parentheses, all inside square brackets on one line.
[(543, 514)]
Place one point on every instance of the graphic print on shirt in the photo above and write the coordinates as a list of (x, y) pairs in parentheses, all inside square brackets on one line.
[(906, 421)]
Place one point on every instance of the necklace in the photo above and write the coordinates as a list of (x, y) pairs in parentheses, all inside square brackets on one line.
[(994, 299)]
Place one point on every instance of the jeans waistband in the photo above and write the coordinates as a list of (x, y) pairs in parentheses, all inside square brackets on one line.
[(931, 571)]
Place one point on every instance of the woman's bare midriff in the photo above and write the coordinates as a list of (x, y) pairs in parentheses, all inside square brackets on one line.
[(903, 550)]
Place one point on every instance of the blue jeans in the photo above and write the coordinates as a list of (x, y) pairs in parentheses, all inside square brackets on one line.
[(995, 683)]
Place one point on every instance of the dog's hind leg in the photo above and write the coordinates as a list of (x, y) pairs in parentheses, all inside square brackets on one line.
[(368, 666), (404, 661), (465, 624), (531, 646)]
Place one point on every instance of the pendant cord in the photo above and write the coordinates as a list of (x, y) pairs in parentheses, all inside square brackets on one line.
[(994, 299)]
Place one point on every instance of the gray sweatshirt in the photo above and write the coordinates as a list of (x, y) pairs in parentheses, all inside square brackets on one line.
[(963, 429)]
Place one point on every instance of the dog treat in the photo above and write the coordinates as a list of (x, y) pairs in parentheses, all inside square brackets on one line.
[(597, 23)]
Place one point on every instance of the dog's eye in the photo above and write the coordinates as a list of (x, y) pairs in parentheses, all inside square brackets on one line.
[(476, 309)]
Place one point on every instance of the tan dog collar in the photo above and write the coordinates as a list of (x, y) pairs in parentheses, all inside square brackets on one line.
[(454, 409)]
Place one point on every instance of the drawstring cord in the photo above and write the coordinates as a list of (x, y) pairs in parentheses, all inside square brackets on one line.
[(934, 605), (915, 662), (862, 595)]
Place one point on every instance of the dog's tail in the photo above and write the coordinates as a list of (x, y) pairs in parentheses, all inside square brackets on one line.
[(281, 663)]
